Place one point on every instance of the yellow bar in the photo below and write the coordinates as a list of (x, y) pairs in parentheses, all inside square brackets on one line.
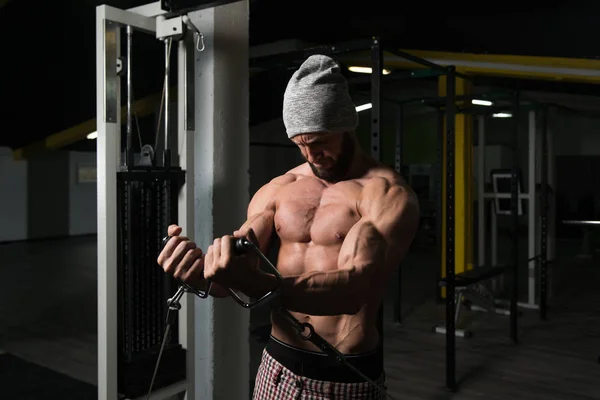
[(70, 135), (532, 61), (141, 108), (463, 186), (524, 67)]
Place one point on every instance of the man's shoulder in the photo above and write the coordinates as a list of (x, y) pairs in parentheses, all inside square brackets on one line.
[(291, 176), (299, 170), (386, 187), (271, 188), (382, 177), (282, 180), (266, 196)]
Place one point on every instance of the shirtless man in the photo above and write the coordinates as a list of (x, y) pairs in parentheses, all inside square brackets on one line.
[(344, 222)]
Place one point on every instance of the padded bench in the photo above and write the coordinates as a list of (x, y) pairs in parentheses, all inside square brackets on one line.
[(466, 286), (474, 275)]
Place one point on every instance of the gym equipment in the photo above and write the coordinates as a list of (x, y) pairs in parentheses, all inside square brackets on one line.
[(241, 246), (305, 329), (469, 284), (139, 195), (537, 193), (137, 199)]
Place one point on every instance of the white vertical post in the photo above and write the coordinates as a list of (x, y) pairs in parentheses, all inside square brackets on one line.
[(185, 152), (221, 150), (532, 209), (481, 234), (108, 106)]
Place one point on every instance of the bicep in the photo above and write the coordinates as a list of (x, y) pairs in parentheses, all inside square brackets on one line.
[(381, 238), (261, 216), (261, 224), (364, 248), (395, 214)]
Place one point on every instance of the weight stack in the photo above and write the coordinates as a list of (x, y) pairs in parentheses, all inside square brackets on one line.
[(147, 205)]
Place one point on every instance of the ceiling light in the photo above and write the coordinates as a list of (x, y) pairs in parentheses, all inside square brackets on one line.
[(92, 136), (364, 107), (366, 70), (502, 115), (478, 102)]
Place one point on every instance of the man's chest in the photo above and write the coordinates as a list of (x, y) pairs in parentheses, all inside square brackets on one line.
[(311, 212)]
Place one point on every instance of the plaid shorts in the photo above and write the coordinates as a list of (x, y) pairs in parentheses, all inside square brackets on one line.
[(275, 382)]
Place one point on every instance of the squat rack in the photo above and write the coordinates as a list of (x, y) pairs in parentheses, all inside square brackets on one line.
[(479, 274)]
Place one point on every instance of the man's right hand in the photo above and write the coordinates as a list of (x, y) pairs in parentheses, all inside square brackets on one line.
[(182, 259)]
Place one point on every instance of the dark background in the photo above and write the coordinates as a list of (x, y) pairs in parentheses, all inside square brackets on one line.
[(48, 76)]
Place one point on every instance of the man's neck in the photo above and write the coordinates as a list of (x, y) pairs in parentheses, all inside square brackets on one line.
[(361, 163)]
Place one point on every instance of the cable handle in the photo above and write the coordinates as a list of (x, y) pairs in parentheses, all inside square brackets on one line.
[(242, 245)]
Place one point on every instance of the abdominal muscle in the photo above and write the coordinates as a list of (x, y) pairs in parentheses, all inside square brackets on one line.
[(349, 334)]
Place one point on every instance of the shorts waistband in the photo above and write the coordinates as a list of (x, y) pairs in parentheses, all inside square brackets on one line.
[(320, 366)]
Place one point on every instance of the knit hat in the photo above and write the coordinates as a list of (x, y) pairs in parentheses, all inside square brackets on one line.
[(317, 99)]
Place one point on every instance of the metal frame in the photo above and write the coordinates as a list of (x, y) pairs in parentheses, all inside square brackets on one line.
[(448, 115), (108, 143), (109, 23), (439, 192), (496, 195), (283, 60), (516, 198), (450, 226), (398, 168), (376, 75), (451, 309), (544, 216), (536, 238), (514, 208)]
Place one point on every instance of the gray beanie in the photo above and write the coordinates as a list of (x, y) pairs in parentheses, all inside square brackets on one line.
[(317, 99)]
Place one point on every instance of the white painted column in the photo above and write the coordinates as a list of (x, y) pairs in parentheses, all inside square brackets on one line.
[(108, 145), (186, 60), (221, 156)]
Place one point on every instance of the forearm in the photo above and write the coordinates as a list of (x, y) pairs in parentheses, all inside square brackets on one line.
[(325, 293), (254, 283), (317, 293)]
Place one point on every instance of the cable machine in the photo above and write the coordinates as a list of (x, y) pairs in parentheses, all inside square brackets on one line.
[(139, 194)]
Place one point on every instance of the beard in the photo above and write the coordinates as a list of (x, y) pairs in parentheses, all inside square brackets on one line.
[(338, 170)]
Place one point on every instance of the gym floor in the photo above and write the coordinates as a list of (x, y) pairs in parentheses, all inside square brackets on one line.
[(48, 317)]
